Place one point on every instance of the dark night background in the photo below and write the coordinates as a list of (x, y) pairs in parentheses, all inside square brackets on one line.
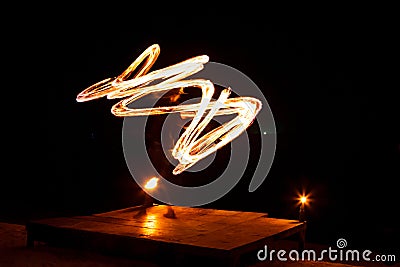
[(325, 74)]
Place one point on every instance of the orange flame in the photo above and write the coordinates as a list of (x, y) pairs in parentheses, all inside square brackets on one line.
[(189, 148), (152, 183)]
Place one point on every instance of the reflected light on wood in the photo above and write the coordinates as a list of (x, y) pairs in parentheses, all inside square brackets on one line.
[(149, 225)]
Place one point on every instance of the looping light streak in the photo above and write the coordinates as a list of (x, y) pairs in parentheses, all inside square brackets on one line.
[(189, 148)]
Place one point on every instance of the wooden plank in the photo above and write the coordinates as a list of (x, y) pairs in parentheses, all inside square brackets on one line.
[(219, 233)]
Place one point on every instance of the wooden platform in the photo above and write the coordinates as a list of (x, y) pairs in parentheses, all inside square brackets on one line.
[(146, 232)]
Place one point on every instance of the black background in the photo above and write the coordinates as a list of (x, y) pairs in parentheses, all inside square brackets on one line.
[(326, 72)]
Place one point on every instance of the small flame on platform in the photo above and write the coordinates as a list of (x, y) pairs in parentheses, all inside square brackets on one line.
[(303, 199), (152, 183)]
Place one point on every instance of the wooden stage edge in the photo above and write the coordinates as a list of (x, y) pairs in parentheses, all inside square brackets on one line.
[(149, 232)]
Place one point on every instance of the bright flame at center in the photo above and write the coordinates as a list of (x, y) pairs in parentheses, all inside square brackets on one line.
[(189, 149), (152, 183)]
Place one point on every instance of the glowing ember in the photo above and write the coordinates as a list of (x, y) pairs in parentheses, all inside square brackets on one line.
[(189, 149), (152, 183)]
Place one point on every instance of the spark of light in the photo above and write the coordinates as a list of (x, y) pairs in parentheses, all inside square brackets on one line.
[(304, 199), (152, 183), (190, 148)]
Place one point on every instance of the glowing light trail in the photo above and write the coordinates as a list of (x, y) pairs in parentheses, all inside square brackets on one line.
[(189, 149)]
